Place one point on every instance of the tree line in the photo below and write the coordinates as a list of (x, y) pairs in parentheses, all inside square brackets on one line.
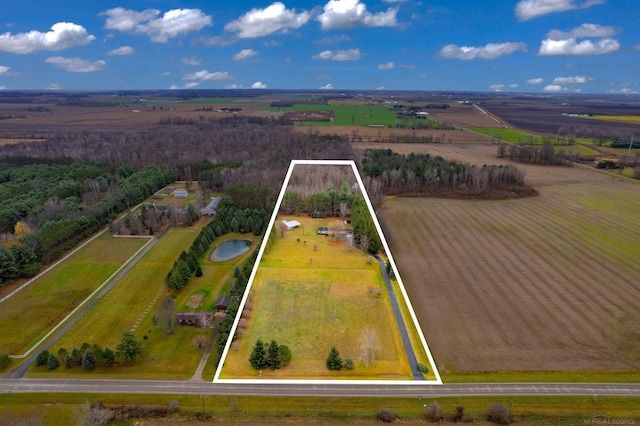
[(424, 174), (46, 209)]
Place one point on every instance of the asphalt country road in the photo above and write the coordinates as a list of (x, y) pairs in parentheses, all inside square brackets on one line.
[(328, 390)]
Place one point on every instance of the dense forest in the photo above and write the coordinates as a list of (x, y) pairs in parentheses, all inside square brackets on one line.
[(47, 208), (422, 174)]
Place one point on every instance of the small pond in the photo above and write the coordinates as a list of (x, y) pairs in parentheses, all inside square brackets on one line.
[(229, 249)]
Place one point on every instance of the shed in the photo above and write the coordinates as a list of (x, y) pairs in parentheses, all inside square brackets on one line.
[(291, 224), (211, 208), (222, 303), (180, 193)]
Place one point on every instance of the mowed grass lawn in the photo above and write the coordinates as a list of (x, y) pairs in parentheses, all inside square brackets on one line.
[(311, 295), (130, 306), (32, 312)]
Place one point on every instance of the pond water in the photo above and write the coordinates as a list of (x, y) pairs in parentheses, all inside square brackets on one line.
[(229, 249)]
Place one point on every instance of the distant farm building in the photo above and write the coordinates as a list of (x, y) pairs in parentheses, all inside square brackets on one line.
[(180, 193), (291, 224), (323, 230), (211, 208)]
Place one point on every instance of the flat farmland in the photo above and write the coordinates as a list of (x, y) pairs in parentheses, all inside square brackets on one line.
[(463, 116), (540, 284), (386, 133)]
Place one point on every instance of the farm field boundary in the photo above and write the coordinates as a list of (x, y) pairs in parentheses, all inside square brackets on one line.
[(220, 377)]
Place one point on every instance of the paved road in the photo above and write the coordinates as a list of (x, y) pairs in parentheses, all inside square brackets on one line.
[(333, 389), (413, 362)]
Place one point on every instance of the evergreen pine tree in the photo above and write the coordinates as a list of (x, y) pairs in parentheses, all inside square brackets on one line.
[(52, 362), (258, 357), (88, 361), (334, 362), (273, 355)]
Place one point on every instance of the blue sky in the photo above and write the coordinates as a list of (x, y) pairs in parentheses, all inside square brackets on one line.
[(552, 46)]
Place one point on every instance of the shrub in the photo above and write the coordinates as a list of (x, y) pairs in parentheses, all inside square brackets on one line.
[(348, 364), (42, 358), (173, 406), (334, 362), (423, 368), (434, 413), (499, 414), (386, 415), (5, 361)]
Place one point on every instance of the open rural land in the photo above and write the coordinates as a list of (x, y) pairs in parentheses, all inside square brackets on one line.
[(543, 283), (532, 281)]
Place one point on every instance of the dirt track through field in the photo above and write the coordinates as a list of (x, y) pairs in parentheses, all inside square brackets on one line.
[(545, 283)]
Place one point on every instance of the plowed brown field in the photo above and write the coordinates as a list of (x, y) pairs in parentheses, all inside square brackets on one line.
[(544, 283)]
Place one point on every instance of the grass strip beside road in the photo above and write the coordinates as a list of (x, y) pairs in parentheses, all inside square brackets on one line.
[(59, 408)]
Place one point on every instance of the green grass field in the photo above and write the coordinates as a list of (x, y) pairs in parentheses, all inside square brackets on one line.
[(509, 135), (311, 293), (130, 306), (32, 312), (347, 115)]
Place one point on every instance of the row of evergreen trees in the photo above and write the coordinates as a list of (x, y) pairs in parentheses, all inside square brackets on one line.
[(90, 357), (227, 219)]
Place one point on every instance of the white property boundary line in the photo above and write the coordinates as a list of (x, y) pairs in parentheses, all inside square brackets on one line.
[(352, 164)]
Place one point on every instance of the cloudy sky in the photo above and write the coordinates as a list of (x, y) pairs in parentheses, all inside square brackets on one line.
[(588, 46)]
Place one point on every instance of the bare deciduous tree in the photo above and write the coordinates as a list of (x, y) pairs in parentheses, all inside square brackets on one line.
[(369, 345), (167, 314)]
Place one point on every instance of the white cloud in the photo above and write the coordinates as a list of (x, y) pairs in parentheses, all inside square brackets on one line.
[(262, 22), (204, 75), (566, 42), (346, 14), (190, 61), (386, 66), (327, 86), (333, 39), (244, 54), (554, 88), (76, 64), (233, 86), (583, 31), (172, 23), (258, 85), (501, 87), (571, 46), (62, 35), (538, 80), (166, 73), (189, 85), (578, 79), (53, 86), (529, 9), (4, 69), (489, 51), (2, 87), (340, 55), (121, 51), (623, 91)]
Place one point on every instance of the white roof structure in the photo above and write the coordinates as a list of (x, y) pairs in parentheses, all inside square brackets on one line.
[(290, 224)]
